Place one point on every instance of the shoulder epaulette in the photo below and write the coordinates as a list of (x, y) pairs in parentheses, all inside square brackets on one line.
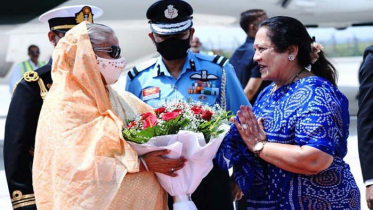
[(220, 60), (217, 59), (204, 56), (32, 76), (139, 68)]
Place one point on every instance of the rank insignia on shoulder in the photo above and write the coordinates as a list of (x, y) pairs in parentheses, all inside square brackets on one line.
[(217, 59), (220, 60), (139, 68)]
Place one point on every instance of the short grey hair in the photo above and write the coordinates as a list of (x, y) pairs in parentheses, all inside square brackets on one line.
[(98, 33)]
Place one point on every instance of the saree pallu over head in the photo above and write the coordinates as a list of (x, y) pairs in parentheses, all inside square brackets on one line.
[(81, 159)]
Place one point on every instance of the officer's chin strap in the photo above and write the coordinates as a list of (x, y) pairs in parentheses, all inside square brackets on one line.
[(222, 95)]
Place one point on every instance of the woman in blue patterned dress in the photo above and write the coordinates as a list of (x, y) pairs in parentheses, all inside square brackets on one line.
[(292, 156)]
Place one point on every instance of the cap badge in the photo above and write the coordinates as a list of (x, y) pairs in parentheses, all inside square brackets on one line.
[(170, 12), (84, 15)]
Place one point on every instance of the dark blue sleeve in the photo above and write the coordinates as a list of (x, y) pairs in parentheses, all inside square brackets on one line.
[(252, 66), (19, 141), (365, 115), (323, 122), (255, 71)]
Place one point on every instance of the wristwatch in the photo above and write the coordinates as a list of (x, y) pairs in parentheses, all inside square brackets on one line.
[(259, 147)]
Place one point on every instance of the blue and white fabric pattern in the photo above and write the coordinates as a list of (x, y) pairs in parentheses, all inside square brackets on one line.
[(309, 112)]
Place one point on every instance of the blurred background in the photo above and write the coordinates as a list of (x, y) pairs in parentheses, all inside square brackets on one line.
[(343, 27)]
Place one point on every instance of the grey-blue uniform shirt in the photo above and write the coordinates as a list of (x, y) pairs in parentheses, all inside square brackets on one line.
[(201, 79)]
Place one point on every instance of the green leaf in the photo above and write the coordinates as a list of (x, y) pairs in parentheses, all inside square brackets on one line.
[(205, 124), (217, 133), (149, 132), (208, 129), (132, 136), (182, 123), (128, 121)]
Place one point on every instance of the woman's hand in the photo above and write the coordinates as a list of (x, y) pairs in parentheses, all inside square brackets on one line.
[(369, 196), (297, 159), (157, 163), (236, 191), (250, 129)]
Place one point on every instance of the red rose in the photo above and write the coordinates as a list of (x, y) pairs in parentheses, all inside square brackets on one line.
[(197, 110), (160, 110), (133, 123), (206, 115), (177, 110), (170, 115), (150, 119)]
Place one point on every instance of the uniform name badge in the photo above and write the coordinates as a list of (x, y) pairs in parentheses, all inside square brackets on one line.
[(150, 93)]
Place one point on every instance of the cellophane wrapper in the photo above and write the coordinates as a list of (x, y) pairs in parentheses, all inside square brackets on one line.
[(199, 155)]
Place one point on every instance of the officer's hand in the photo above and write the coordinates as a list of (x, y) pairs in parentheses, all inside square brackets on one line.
[(236, 191), (157, 163), (369, 196)]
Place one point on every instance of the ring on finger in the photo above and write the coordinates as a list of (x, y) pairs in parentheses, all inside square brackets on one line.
[(245, 126)]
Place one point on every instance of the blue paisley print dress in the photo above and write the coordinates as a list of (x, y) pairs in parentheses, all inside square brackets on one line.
[(312, 112)]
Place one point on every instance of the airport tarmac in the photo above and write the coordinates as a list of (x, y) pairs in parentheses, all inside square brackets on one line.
[(348, 84)]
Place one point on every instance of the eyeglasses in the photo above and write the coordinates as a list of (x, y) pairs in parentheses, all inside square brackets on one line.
[(114, 51)]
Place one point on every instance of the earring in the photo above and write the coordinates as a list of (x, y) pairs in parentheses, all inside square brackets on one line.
[(291, 57)]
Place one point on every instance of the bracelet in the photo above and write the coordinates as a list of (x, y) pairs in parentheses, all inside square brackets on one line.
[(144, 163)]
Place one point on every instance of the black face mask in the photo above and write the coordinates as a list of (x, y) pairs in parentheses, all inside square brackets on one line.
[(173, 48)]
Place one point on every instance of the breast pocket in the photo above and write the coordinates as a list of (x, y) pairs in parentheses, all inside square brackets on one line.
[(207, 99), (155, 103), (207, 95)]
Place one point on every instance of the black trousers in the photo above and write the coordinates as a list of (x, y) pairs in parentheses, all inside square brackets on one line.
[(241, 204), (214, 192)]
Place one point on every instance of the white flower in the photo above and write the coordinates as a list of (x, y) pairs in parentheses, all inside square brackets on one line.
[(315, 50)]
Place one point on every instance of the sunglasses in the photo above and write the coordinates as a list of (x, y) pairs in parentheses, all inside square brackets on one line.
[(59, 33), (35, 52), (114, 51)]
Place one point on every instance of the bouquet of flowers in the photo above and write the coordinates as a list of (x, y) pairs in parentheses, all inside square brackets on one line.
[(192, 130)]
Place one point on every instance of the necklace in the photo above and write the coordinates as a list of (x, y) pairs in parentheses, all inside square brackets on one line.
[(274, 88), (297, 75)]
